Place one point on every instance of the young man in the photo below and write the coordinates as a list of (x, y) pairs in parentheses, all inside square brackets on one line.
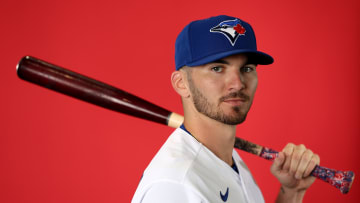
[(216, 61)]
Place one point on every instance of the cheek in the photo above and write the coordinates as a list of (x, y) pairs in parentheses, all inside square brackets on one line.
[(215, 88), (252, 85), (210, 85), (211, 89)]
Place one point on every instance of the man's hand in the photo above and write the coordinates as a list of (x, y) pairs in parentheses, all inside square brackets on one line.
[(292, 168)]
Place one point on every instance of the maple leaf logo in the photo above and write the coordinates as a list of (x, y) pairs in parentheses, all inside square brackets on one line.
[(239, 29)]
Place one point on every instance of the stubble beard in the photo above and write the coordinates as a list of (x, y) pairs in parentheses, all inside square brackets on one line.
[(214, 111)]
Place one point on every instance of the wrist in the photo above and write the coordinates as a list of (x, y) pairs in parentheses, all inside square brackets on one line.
[(292, 195)]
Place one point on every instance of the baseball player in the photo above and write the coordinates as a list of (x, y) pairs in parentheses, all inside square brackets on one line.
[(216, 61)]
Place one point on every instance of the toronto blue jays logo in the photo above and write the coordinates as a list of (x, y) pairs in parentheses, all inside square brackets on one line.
[(232, 29)]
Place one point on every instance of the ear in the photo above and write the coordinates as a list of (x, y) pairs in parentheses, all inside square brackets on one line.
[(179, 84)]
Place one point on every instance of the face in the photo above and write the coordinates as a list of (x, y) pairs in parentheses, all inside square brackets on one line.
[(223, 90)]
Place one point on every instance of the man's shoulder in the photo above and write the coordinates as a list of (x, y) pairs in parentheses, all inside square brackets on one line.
[(174, 158), (170, 166)]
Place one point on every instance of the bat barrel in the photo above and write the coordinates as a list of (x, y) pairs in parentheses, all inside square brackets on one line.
[(84, 88)]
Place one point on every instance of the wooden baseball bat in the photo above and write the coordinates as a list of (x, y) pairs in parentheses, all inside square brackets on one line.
[(84, 88)]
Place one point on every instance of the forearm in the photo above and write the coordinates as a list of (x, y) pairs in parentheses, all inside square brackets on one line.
[(290, 196)]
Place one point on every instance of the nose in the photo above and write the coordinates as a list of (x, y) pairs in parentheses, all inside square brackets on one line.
[(236, 81)]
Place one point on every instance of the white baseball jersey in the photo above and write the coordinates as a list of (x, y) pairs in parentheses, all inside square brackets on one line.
[(184, 171)]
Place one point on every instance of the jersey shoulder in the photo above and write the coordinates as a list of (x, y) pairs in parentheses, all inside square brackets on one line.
[(174, 158), (167, 172)]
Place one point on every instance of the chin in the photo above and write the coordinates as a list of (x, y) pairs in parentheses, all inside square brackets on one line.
[(234, 121), (233, 118)]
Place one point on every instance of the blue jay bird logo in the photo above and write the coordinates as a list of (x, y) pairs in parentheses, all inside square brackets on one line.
[(232, 29)]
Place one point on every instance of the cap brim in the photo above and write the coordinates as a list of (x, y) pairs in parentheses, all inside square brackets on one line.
[(256, 57)]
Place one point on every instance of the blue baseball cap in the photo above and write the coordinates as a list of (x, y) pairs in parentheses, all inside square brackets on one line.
[(211, 39)]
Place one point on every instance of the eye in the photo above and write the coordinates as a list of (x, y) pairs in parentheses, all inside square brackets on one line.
[(247, 69), (217, 69)]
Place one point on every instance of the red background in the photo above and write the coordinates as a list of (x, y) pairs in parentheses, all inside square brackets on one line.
[(54, 148)]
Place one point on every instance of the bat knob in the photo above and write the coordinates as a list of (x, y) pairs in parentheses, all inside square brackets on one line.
[(347, 182), (342, 180)]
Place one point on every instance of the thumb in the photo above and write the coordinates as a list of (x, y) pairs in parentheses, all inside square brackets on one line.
[(278, 163)]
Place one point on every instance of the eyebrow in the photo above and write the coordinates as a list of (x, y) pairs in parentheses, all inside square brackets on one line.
[(221, 61), (227, 63)]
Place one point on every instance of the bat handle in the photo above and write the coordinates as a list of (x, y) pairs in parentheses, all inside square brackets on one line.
[(342, 180)]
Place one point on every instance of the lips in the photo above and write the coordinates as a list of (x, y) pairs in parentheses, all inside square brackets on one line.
[(235, 98), (235, 101)]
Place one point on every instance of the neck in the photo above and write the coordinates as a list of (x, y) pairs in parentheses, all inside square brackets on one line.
[(216, 136)]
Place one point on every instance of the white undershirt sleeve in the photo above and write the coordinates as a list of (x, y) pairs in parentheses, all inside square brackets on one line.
[(170, 192)]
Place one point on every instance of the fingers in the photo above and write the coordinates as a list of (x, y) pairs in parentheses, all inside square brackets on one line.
[(299, 161), (278, 163), (313, 162), (304, 164), (296, 158), (288, 150)]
